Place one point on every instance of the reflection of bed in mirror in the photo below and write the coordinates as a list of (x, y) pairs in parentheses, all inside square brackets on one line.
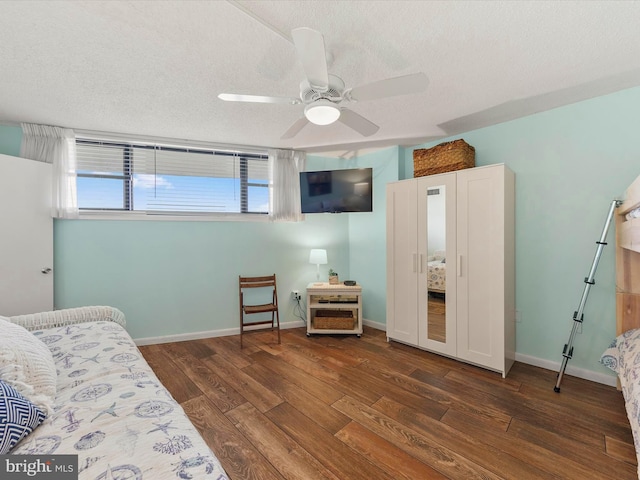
[(436, 273), (436, 286)]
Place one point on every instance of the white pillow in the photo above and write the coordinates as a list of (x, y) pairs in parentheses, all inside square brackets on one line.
[(27, 364), (439, 254)]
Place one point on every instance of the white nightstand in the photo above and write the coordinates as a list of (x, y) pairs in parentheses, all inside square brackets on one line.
[(334, 309)]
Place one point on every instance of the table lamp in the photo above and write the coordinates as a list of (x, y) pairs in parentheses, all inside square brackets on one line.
[(318, 256)]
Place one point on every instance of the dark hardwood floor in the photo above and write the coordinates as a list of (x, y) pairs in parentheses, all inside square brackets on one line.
[(348, 408)]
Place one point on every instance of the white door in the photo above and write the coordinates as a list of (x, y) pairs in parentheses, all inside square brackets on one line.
[(402, 262), (26, 236)]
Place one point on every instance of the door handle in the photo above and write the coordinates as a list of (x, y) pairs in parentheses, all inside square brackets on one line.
[(421, 262), (459, 265), (46, 270)]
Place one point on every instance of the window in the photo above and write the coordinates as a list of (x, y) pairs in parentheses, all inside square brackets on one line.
[(162, 179)]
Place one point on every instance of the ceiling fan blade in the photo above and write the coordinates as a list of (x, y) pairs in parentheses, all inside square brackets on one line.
[(414, 83), (360, 124), (310, 46), (295, 128), (233, 97)]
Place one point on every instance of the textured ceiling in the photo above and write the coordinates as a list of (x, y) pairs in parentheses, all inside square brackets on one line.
[(156, 67)]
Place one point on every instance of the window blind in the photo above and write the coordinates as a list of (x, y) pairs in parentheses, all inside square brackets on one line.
[(160, 179)]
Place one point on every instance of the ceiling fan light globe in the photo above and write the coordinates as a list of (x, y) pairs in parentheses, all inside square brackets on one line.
[(322, 112)]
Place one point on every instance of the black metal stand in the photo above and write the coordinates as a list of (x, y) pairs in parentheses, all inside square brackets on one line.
[(578, 316)]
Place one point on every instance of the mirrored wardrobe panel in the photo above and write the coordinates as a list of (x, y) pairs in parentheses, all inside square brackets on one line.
[(436, 265), (437, 272)]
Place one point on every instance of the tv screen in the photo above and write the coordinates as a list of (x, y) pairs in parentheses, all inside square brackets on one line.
[(335, 191)]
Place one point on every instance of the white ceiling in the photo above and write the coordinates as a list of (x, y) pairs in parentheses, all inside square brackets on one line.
[(155, 68)]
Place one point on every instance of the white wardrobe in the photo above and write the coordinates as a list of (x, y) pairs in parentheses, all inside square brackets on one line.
[(451, 265)]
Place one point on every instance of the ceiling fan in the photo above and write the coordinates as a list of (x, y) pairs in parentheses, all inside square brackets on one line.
[(323, 95)]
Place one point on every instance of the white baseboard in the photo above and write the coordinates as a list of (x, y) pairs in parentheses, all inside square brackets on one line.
[(376, 325), (528, 359), (183, 337), (603, 378)]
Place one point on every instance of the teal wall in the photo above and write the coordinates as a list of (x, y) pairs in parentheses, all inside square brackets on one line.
[(367, 236), (10, 140), (182, 277), (570, 163), (367, 231)]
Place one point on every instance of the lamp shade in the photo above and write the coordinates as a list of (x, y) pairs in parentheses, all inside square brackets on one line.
[(318, 256)]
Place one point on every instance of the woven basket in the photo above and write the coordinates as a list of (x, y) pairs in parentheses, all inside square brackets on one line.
[(446, 157), (334, 320)]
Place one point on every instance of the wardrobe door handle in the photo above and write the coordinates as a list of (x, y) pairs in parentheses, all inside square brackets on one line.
[(459, 265), (421, 263)]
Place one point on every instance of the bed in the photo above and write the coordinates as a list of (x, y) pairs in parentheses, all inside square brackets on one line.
[(623, 356)]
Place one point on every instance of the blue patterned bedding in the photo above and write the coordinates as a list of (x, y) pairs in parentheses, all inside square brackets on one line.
[(623, 357), (112, 411)]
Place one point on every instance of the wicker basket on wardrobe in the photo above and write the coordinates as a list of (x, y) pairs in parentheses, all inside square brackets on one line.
[(446, 157)]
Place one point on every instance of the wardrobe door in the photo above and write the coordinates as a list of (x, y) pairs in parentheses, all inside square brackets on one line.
[(402, 262), (481, 266), (436, 270)]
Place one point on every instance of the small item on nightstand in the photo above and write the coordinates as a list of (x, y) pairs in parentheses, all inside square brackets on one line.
[(333, 277), (349, 283)]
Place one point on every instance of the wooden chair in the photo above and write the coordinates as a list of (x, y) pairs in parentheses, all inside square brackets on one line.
[(259, 282)]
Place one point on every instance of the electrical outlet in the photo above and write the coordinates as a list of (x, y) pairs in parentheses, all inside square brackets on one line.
[(296, 295)]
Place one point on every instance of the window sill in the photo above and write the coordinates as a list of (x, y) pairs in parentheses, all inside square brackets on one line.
[(209, 217)]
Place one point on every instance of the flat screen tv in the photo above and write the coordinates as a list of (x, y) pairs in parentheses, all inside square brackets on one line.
[(336, 191)]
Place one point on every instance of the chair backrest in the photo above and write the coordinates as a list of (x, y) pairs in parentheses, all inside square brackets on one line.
[(259, 282)]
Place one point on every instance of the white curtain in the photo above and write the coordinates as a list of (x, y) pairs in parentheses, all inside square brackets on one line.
[(284, 178), (57, 146)]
